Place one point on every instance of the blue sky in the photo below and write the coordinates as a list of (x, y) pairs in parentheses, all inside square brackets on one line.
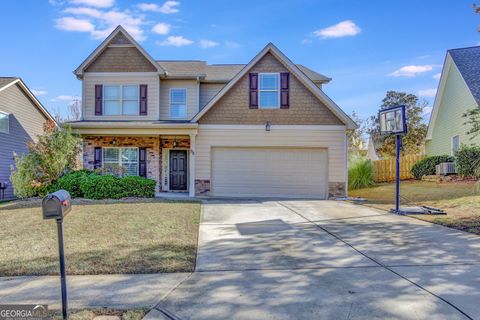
[(367, 47)]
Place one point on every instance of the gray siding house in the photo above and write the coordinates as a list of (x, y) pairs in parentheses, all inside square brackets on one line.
[(22, 118)]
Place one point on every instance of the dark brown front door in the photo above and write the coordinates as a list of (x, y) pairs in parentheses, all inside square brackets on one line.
[(178, 170)]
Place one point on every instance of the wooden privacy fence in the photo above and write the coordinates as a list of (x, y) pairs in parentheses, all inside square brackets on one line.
[(384, 170)]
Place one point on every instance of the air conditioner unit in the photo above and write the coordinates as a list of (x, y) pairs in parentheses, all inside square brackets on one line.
[(445, 168)]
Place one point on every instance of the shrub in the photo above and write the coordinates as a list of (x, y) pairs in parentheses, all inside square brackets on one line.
[(467, 161), (47, 160), (72, 182), (134, 186), (427, 165), (102, 187), (98, 187), (360, 174)]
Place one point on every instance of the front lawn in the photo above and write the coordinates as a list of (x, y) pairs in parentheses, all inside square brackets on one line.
[(458, 199), (101, 237)]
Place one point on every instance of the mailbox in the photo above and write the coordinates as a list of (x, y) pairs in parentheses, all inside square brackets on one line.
[(56, 205)]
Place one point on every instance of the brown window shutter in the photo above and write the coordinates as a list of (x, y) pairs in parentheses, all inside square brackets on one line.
[(97, 162), (143, 99), (253, 89), (142, 162), (98, 99), (284, 90)]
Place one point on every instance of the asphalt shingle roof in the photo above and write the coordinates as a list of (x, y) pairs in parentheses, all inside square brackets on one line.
[(467, 61), (219, 72)]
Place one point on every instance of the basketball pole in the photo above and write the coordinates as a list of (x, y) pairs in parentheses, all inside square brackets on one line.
[(397, 176)]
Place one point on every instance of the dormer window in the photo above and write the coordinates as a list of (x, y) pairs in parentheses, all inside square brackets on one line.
[(121, 100), (269, 90)]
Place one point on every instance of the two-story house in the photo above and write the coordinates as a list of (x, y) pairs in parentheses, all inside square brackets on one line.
[(261, 129), (22, 119)]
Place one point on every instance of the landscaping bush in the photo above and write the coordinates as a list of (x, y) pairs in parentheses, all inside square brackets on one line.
[(109, 186), (134, 186), (72, 182), (102, 187), (360, 174), (427, 165), (467, 161)]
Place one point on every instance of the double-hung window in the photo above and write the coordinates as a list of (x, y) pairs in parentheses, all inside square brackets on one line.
[(269, 90), (455, 144), (121, 99), (126, 158), (4, 122), (178, 103)]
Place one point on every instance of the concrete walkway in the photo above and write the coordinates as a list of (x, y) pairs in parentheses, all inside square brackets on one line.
[(325, 260), (113, 291)]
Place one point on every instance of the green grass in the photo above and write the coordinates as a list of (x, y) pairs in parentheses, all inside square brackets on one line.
[(459, 200), (101, 237)]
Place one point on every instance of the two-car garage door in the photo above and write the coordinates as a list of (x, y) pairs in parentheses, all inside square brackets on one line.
[(269, 172)]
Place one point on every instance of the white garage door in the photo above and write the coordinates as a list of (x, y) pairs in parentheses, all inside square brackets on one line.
[(269, 172)]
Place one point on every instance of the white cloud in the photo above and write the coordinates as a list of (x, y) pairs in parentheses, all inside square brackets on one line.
[(169, 7), (427, 110), (345, 28), (428, 93), (176, 41), (411, 71), (101, 23), (162, 28), (94, 3), (205, 44), (232, 44), (39, 92), (74, 24), (64, 98), (437, 76), (306, 41), (90, 12)]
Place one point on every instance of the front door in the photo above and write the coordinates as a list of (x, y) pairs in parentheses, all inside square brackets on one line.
[(178, 169)]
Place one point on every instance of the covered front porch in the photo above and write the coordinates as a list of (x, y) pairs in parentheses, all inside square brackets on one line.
[(165, 155)]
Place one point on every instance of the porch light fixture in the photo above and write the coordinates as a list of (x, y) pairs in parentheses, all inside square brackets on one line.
[(267, 126), (114, 141)]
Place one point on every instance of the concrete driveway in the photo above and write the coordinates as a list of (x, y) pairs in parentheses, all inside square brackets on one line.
[(325, 260)]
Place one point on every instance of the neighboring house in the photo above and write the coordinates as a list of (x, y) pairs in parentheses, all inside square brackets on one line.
[(458, 91), (261, 129), (372, 150), (22, 119)]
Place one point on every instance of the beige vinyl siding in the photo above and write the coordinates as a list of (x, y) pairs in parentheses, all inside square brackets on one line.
[(455, 101), (269, 172), (192, 97), (208, 91), (89, 82), (25, 124), (280, 136)]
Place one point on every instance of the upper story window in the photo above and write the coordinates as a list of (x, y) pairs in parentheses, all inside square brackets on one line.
[(455, 144), (269, 90), (4, 122), (178, 103), (121, 99)]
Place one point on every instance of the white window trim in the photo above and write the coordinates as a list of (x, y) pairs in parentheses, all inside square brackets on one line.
[(119, 163), (451, 144), (8, 122), (170, 103), (260, 90), (122, 112)]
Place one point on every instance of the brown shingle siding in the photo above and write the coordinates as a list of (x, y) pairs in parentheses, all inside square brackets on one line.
[(121, 59), (305, 108)]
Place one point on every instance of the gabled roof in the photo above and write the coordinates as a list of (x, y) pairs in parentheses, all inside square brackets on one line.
[(6, 82), (79, 71), (271, 48), (219, 72), (467, 61)]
